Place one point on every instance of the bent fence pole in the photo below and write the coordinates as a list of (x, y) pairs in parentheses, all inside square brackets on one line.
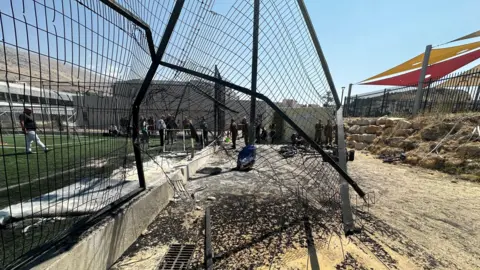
[(318, 48), (137, 21), (146, 83), (347, 217), (423, 72), (219, 101), (253, 88), (347, 113)]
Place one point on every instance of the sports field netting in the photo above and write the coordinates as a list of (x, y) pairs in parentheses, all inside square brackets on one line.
[(116, 86)]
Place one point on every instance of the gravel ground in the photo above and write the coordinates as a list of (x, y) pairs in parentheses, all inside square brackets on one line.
[(430, 217), (420, 220), (257, 223)]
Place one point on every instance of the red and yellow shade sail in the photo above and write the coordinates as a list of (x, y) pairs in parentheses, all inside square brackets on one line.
[(442, 62)]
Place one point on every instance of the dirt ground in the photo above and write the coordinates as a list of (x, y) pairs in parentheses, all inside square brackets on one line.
[(420, 220), (430, 217)]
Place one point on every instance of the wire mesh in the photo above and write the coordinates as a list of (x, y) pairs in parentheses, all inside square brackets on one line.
[(290, 76), (79, 65), (66, 159)]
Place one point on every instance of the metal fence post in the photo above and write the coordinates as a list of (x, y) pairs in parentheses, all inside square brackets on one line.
[(426, 96), (347, 216), (383, 100), (348, 100), (253, 99), (164, 139), (370, 107), (386, 102), (146, 83), (423, 72), (208, 242), (475, 100), (355, 107), (220, 97), (183, 138)]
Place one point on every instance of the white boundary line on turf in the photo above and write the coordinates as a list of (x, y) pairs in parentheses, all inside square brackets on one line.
[(47, 135), (62, 144)]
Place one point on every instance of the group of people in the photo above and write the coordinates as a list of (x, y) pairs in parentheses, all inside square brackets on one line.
[(166, 127), (327, 131), (261, 134)]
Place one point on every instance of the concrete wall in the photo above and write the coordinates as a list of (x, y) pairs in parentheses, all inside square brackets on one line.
[(101, 247), (305, 118)]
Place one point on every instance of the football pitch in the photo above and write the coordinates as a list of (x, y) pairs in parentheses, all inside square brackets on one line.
[(69, 159)]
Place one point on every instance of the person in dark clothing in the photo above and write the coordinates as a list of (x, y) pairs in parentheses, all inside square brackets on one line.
[(176, 125), (29, 128), (151, 126), (234, 132), (328, 133), (264, 134), (144, 139), (258, 127), (318, 132), (193, 131), (296, 140), (245, 130), (170, 123), (60, 124), (186, 127), (272, 133), (204, 127)]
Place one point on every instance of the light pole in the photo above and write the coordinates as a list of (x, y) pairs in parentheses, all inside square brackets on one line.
[(341, 100)]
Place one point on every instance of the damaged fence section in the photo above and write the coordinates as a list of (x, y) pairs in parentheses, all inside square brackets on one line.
[(94, 92)]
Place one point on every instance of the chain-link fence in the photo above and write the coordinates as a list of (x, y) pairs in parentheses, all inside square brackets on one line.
[(96, 89)]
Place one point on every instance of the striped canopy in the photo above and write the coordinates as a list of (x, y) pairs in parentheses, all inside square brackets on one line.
[(442, 62)]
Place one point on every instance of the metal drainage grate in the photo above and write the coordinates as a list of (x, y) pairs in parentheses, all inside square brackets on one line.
[(178, 257)]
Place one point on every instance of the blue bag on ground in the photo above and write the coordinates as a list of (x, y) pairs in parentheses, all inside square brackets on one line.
[(246, 157)]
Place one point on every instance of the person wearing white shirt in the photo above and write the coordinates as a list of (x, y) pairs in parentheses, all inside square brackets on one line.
[(161, 126)]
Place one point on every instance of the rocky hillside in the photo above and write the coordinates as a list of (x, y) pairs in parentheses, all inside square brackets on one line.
[(447, 143), (41, 71)]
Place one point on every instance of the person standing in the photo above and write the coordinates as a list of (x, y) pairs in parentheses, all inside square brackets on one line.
[(151, 126), (234, 132), (245, 130), (113, 130), (258, 127), (29, 128), (273, 132), (144, 131), (193, 131), (318, 132), (204, 127), (186, 127), (170, 123), (161, 129), (264, 135), (329, 132)]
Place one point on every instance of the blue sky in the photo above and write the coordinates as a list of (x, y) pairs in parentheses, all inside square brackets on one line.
[(362, 38)]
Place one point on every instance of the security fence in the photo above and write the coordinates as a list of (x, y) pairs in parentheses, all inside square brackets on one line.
[(105, 81), (458, 92)]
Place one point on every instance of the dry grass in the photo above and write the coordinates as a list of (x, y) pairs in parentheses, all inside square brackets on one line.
[(441, 142)]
